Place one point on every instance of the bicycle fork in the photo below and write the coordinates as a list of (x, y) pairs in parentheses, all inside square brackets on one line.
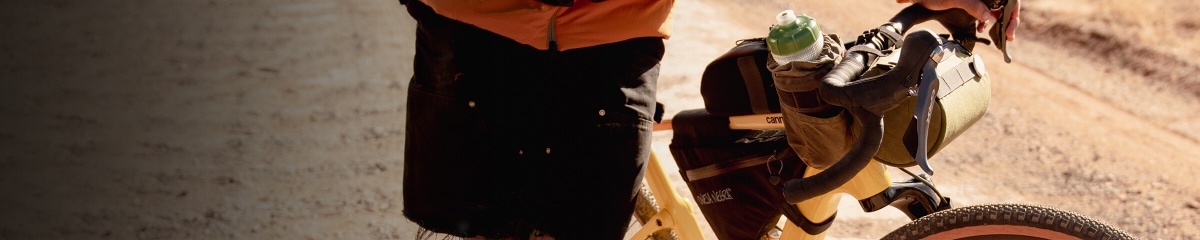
[(872, 187), (874, 190)]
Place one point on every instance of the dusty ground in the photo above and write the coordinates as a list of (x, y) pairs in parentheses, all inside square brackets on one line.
[(284, 119)]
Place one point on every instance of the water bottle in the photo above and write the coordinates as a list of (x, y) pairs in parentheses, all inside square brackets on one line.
[(795, 38)]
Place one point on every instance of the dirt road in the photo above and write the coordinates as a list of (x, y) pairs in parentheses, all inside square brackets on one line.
[(284, 119)]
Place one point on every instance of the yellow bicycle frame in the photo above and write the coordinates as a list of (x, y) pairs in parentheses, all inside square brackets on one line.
[(675, 213)]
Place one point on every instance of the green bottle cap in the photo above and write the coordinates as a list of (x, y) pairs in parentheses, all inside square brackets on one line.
[(794, 37)]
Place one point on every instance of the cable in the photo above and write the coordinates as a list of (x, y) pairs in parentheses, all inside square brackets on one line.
[(925, 181)]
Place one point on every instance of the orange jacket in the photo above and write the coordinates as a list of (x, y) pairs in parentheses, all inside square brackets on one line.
[(585, 24)]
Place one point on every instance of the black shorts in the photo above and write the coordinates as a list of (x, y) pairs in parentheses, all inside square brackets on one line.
[(503, 138)]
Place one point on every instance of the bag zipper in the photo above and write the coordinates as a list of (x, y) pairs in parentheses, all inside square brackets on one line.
[(721, 168)]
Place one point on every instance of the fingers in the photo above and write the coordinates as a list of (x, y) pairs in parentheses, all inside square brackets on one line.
[(977, 9), (1015, 20), (1012, 28)]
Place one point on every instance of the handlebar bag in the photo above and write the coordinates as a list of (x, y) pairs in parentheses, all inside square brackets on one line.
[(963, 95), (730, 172)]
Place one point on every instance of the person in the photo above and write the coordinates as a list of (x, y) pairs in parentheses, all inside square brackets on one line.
[(532, 118), (526, 118), (977, 9)]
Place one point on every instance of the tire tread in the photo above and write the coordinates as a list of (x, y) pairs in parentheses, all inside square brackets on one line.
[(1048, 218)]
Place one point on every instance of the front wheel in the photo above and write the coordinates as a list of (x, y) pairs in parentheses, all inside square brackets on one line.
[(1007, 221)]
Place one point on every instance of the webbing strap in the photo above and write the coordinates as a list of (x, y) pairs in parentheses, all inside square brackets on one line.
[(866, 49), (716, 169), (955, 77), (754, 84)]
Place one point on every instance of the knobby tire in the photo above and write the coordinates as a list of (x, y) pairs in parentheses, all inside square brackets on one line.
[(1007, 221)]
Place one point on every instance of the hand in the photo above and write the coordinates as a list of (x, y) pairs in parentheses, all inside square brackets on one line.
[(978, 9)]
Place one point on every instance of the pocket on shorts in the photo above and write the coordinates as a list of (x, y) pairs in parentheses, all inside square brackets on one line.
[(444, 160)]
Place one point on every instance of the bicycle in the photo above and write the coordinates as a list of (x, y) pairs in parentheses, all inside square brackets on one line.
[(666, 215)]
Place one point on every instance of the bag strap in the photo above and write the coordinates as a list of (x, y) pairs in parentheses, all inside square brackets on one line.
[(958, 75), (754, 84), (798, 219), (717, 169), (765, 136)]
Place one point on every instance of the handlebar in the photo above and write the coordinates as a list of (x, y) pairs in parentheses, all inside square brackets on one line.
[(868, 99)]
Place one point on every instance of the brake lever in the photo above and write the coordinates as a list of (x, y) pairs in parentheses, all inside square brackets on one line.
[(999, 28), (923, 113)]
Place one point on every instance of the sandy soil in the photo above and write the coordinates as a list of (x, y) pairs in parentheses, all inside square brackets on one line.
[(285, 118)]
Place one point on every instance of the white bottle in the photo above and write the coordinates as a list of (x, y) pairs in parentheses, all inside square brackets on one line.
[(795, 38)]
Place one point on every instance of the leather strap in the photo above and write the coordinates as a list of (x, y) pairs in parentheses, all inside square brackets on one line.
[(754, 84)]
